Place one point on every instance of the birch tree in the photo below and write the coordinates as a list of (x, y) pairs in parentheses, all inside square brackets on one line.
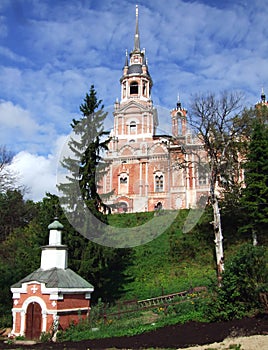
[(7, 178), (218, 122)]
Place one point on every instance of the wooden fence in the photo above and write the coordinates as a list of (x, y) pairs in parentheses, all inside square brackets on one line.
[(135, 305)]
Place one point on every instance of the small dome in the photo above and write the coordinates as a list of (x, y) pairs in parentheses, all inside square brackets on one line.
[(55, 225)]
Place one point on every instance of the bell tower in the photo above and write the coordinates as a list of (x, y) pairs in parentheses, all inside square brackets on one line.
[(136, 82), (179, 121), (263, 101), (134, 116)]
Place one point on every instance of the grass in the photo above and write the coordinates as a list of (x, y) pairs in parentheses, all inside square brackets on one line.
[(134, 323), (173, 262), (154, 271)]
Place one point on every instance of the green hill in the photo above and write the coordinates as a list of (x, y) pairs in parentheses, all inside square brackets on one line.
[(174, 261)]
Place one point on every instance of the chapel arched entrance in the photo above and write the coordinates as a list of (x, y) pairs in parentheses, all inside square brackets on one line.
[(33, 321)]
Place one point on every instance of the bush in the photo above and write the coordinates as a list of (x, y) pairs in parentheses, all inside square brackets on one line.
[(242, 279), (5, 319)]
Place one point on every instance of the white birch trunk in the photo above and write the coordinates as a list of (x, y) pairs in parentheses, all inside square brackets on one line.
[(218, 238), (254, 238)]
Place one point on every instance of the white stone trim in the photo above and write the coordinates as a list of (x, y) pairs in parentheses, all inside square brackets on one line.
[(48, 311), (55, 296), (28, 301), (59, 294), (55, 293), (22, 322), (16, 295), (14, 313), (74, 309), (88, 296), (23, 289), (69, 290)]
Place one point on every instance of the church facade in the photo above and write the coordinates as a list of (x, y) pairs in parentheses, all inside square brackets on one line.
[(148, 170)]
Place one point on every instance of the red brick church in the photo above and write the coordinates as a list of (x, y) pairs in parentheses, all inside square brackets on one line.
[(146, 168)]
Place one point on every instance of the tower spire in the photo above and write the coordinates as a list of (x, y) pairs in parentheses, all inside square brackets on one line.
[(263, 97), (137, 37), (126, 60), (178, 102)]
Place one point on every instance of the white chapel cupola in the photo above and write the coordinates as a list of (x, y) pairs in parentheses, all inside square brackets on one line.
[(54, 255)]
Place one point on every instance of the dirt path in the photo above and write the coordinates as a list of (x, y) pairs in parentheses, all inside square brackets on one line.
[(254, 342), (178, 336)]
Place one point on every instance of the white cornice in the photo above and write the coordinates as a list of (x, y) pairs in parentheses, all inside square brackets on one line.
[(55, 293)]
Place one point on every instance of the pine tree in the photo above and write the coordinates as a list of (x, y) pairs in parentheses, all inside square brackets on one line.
[(96, 262), (255, 195), (85, 165)]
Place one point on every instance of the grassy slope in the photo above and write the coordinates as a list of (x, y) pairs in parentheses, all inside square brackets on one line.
[(154, 271)]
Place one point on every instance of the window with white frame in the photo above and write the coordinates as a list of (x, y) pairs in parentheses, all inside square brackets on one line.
[(123, 179), (159, 182), (202, 175), (132, 127), (123, 183)]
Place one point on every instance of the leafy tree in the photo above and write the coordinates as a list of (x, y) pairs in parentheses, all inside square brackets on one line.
[(255, 195), (245, 275), (221, 127), (19, 256), (15, 212)]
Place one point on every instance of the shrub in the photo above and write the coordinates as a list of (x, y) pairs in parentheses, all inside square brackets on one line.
[(242, 279)]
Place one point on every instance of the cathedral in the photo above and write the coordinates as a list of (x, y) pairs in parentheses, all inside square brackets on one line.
[(147, 169)]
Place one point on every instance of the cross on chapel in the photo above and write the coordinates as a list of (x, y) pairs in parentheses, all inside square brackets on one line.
[(34, 289)]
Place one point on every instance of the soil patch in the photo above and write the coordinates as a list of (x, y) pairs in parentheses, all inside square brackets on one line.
[(172, 337)]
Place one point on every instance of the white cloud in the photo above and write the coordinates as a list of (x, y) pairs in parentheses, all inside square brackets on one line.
[(36, 173), (15, 117), (54, 50), (20, 130), (4, 51)]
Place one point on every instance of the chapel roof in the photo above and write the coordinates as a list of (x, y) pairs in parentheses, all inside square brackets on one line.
[(56, 278)]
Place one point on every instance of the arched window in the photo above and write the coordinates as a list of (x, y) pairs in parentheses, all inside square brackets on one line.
[(123, 179), (122, 207), (132, 128), (124, 89), (144, 86), (159, 183), (123, 182), (202, 176), (134, 88)]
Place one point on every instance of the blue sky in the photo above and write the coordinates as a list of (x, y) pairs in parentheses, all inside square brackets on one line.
[(51, 51)]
